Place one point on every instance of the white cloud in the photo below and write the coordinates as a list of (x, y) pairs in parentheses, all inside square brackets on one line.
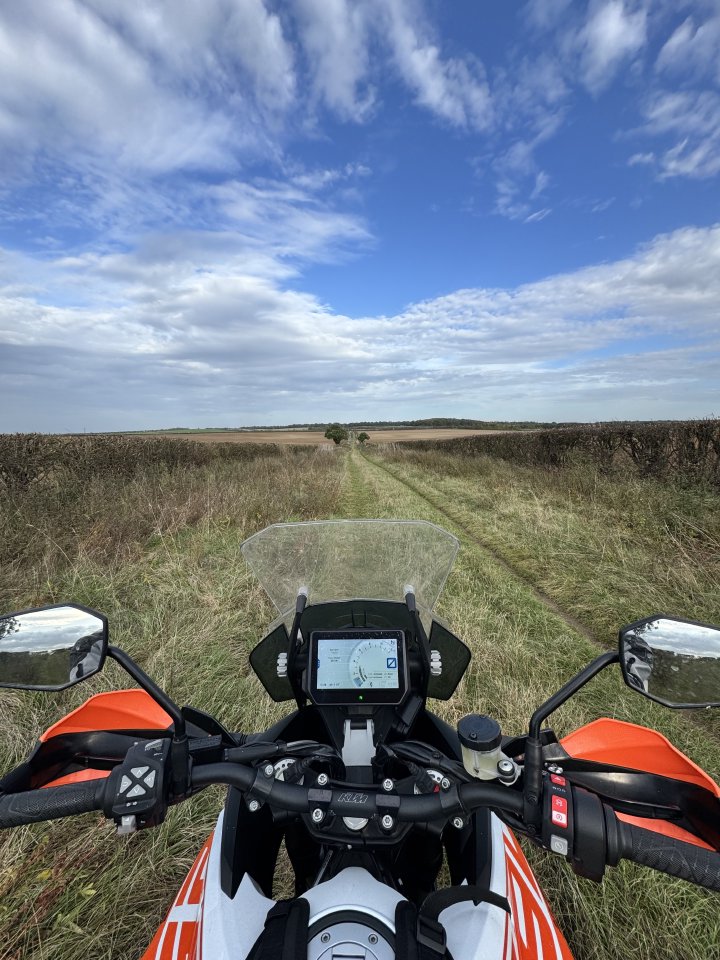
[(232, 347), (692, 118), (335, 37), (538, 215), (641, 159), (453, 88), (692, 50), (71, 83), (611, 35)]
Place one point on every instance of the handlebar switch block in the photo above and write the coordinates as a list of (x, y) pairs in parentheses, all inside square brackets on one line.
[(138, 787), (558, 816)]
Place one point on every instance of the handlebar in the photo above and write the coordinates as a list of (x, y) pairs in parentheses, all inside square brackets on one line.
[(51, 803), (361, 801), (669, 855), (622, 840)]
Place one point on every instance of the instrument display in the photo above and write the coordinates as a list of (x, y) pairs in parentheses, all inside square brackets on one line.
[(357, 666)]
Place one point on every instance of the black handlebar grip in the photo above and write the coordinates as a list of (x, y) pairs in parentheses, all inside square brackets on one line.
[(679, 859), (32, 806)]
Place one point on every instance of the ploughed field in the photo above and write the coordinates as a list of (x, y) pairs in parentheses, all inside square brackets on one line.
[(314, 437), (551, 563)]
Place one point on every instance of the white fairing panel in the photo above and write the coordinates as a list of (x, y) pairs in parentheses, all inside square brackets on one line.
[(478, 932), (231, 927)]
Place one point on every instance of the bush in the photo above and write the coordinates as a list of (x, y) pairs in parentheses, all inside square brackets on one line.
[(336, 433)]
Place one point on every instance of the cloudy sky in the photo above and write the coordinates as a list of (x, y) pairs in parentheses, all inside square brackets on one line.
[(238, 212)]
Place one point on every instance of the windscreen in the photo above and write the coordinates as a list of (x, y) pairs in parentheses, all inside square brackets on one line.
[(349, 559)]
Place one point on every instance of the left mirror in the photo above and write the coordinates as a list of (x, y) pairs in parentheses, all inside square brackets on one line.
[(51, 648)]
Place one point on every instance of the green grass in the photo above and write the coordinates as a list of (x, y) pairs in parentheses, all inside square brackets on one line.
[(160, 555)]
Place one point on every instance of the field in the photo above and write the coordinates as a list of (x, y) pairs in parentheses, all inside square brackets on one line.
[(551, 564), (314, 437)]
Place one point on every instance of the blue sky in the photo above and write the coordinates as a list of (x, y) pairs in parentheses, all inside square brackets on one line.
[(240, 211)]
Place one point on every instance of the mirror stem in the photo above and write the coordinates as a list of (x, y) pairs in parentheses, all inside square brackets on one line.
[(149, 686), (533, 768)]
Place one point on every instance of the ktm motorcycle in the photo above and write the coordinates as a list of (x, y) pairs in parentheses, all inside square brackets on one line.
[(368, 789)]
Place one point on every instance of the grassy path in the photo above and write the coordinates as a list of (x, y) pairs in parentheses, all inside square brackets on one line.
[(440, 503), (523, 648), (160, 555)]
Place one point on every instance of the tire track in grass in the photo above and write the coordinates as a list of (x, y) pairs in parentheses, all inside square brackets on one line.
[(570, 621)]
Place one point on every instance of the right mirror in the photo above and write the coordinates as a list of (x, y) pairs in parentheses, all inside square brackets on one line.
[(675, 662)]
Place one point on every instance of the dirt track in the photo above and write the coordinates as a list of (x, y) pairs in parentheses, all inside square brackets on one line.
[(316, 437)]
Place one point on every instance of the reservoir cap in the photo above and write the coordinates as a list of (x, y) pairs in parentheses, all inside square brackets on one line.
[(479, 732)]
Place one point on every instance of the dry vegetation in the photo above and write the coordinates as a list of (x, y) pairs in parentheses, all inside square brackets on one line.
[(149, 532), (687, 451)]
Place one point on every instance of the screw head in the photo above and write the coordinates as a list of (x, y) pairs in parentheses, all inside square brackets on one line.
[(325, 938), (445, 783), (323, 780), (254, 806), (373, 938), (506, 767), (387, 784), (269, 770), (317, 815), (387, 822), (458, 823)]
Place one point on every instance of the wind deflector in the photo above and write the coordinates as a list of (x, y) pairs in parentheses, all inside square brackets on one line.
[(348, 559)]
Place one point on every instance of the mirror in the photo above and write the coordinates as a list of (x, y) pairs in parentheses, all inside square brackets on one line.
[(675, 662), (51, 648)]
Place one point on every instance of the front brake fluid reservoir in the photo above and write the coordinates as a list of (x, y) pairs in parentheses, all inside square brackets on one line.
[(480, 742)]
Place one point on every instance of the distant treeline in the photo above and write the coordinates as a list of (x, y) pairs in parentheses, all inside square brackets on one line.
[(446, 423), (688, 450), (27, 459)]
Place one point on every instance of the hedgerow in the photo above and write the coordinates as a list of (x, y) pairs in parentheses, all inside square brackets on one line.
[(687, 450), (29, 459)]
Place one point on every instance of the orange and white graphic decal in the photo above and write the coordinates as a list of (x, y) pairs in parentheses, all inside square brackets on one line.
[(531, 934), (179, 937)]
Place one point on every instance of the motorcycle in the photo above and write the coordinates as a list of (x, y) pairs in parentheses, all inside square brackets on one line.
[(369, 789)]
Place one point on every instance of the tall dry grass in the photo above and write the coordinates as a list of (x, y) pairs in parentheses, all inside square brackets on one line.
[(159, 554)]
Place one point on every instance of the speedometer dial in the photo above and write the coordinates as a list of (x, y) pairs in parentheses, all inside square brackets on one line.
[(374, 663)]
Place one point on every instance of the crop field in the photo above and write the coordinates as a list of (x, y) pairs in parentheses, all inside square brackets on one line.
[(313, 437), (551, 564)]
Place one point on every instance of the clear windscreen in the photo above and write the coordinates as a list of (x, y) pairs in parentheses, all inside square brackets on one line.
[(351, 559)]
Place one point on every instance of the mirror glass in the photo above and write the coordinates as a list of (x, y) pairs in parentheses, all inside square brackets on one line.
[(51, 648), (672, 661)]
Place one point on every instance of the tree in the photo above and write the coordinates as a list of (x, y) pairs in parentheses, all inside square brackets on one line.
[(362, 437), (336, 433)]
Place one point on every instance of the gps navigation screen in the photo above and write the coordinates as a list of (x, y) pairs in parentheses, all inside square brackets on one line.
[(344, 663)]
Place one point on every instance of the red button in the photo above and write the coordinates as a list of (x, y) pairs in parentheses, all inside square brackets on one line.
[(559, 819), (560, 781), (559, 803)]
